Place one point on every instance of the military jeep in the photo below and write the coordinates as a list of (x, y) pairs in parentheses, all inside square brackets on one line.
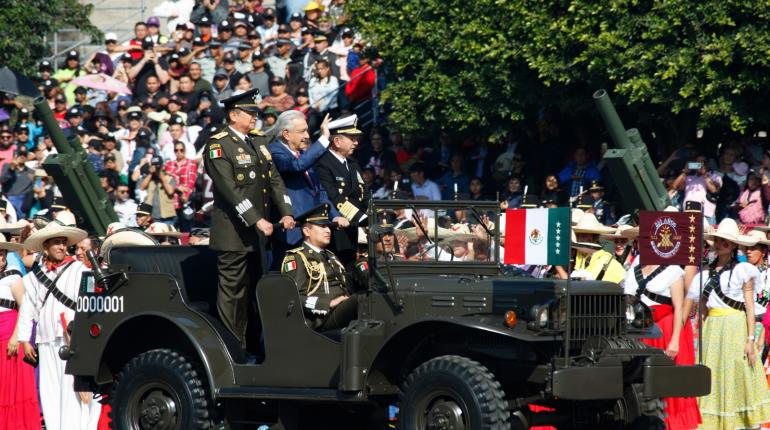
[(449, 339)]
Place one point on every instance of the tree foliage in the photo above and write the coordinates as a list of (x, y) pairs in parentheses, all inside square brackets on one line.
[(25, 23), (457, 62)]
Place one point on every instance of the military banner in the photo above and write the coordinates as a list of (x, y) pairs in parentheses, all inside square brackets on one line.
[(670, 238)]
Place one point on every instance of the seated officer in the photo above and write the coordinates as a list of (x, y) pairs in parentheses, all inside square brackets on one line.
[(319, 275)]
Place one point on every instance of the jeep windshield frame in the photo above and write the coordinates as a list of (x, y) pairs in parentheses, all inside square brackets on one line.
[(491, 266)]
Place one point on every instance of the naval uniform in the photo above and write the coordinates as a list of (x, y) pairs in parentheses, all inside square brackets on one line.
[(246, 187), (342, 180), (320, 278)]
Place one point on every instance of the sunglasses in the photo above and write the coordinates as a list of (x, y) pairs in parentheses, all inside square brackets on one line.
[(179, 150), (5, 136)]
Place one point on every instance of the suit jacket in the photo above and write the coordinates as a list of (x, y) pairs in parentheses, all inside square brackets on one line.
[(305, 191), (246, 187)]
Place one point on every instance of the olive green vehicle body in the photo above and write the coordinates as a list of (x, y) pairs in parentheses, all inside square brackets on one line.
[(422, 311)]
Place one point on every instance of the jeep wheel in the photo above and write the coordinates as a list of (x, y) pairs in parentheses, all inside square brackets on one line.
[(452, 392), (159, 390)]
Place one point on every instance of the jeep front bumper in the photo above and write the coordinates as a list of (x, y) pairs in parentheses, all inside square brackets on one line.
[(660, 378)]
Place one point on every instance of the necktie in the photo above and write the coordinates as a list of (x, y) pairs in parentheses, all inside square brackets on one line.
[(307, 177), (345, 163)]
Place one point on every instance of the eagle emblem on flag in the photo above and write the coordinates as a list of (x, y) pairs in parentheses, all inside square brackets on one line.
[(535, 237)]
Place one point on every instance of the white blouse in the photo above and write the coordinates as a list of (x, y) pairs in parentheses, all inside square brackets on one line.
[(660, 284), (5, 289), (731, 282)]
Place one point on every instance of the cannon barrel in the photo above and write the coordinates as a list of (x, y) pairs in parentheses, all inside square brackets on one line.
[(75, 176), (630, 163)]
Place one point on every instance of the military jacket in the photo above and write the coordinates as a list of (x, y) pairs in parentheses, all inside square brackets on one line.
[(345, 186), (246, 187), (320, 277)]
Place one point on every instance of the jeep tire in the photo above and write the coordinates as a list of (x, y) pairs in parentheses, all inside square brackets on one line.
[(452, 392), (159, 390)]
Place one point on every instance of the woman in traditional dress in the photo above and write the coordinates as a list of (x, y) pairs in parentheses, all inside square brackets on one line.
[(662, 289), (19, 408), (739, 395)]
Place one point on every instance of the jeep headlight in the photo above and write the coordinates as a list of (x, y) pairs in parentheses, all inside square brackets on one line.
[(539, 316), (638, 315)]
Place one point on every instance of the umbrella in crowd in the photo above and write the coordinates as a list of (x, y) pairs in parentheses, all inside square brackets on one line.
[(16, 83), (100, 81)]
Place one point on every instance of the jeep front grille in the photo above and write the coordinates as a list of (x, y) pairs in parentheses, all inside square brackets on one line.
[(596, 315)]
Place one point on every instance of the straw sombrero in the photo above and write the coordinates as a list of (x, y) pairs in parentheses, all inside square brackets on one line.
[(588, 224), (758, 237), (624, 231), (161, 229), (575, 215), (34, 243), (12, 227), (9, 246), (430, 229), (125, 237), (575, 244), (727, 230), (66, 217)]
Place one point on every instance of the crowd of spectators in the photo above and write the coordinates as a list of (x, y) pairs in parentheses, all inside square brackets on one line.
[(180, 65)]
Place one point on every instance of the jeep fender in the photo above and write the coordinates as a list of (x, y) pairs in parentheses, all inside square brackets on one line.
[(404, 349), (149, 330)]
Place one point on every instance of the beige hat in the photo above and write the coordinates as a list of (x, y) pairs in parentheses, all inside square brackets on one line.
[(575, 244), (126, 237), (35, 242), (9, 246), (460, 231), (161, 229), (624, 231), (727, 230), (66, 218), (588, 224), (115, 226), (430, 229), (764, 228), (12, 227), (576, 214), (758, 236)]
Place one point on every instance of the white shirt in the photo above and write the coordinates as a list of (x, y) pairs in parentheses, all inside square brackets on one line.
[(731, 283), (5, 289), (47, 314), (762, 290), (126, 212), (428, 189), (660, 284)]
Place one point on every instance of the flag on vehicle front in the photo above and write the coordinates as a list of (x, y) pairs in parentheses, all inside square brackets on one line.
[(537, 236)]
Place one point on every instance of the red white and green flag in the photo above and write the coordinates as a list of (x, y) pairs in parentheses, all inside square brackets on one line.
[(537, 236)]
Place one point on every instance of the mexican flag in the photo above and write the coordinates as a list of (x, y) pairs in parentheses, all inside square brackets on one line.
[(537, 236)]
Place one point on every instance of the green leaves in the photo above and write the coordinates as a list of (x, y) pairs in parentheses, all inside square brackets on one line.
[(26, 22), (461, 65)]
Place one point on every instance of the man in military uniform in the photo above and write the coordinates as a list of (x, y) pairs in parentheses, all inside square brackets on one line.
[(341, 177), (604, 211), (319, 274), (144, 215), (246, 186)]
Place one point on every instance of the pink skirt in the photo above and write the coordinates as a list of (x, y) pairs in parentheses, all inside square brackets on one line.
[(19, 408)]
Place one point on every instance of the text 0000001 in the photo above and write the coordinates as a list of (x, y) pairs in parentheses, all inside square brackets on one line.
[(99, 304)]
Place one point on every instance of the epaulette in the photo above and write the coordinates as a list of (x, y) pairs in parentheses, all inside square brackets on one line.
[(256, 132), (220, 135), (295, 250)]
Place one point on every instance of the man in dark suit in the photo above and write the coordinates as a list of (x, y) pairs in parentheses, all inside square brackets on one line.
[(341, 178), (246, 187), (295, 164)]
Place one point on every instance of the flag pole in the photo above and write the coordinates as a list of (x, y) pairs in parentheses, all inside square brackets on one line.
[(567, 295), (700, 290)]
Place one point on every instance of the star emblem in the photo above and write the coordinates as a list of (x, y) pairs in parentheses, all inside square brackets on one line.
[(692, 218), (692, 259), (692, 229)]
